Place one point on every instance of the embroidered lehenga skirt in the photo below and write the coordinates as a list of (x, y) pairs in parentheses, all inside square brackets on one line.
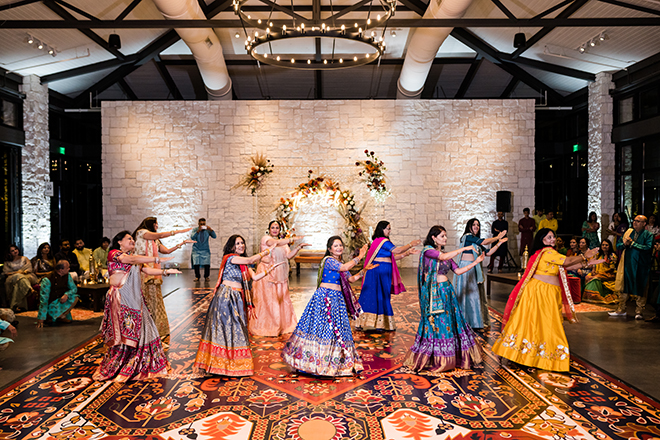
[(322, 343), (134, 348), (375, 299), (224, 348), (273, 306), (154, 298), (444, 339), (534, 335), (471, 297)]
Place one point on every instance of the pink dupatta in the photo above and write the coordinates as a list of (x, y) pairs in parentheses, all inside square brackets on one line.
[(397, 284), (568, 309)]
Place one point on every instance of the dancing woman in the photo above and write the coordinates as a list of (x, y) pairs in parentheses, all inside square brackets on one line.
[(147, 243), (134, 348), (272, 303), (379, 284), (322, 343), (444, 339), (470, 291), (224, 347), (532, 333)]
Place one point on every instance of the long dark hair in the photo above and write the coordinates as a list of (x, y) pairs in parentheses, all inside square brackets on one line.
[(148, 224), (623, 218), (433, 232), (329, 244), (8, 257), (50, 251), (230, 246), (117, 238), (538, 239), (594, 214), (468, 227), (271, 224), (601, 253), (380, 229)]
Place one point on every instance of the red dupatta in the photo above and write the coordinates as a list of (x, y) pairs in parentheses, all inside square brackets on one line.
[(397, 284), (568, 309), (245, 275)]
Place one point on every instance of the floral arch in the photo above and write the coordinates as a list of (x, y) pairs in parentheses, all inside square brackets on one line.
[(324, 191)]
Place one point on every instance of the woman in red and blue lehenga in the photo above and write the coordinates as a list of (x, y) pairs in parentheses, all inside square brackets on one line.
[(379, 284), (322, 344), (224, 347), (134, 348), (444, 339)]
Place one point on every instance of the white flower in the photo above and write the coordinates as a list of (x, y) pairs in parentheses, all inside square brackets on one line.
[(258, 174), (261, 168)]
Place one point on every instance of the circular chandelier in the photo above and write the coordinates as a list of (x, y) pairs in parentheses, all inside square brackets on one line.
[(362, 35)]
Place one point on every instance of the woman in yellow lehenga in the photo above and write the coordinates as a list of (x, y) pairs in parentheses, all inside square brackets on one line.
[(600, 287), (532, 333)]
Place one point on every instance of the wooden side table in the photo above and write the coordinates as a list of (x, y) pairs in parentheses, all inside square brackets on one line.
[(310, 257), (96, 292)]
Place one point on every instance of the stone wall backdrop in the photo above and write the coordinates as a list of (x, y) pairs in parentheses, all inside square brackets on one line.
[(35, 166), (445, 161)]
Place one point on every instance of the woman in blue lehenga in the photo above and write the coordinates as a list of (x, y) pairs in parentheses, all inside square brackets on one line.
[(444, 340), (470, 285), (379, 284), (322, 343)]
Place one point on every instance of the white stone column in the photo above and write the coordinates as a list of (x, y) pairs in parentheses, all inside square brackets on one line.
[(601, 150), (35, 167)]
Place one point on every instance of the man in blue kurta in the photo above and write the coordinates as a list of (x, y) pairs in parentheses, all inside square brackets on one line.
[(637, 244), (201, 253), (58, 295)]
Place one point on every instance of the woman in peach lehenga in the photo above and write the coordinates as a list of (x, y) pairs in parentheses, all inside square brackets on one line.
[(270, 295)]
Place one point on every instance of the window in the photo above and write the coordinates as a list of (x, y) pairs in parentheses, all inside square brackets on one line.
[(626, 110), (9, 113)]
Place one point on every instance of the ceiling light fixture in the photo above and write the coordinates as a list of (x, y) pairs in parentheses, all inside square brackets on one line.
[(592, 42), (274, 36)]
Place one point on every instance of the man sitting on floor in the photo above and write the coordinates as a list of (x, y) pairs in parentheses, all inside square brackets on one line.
[(58, 295)]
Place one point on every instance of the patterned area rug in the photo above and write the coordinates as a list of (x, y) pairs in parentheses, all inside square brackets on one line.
[(385, 401), (77, 314)]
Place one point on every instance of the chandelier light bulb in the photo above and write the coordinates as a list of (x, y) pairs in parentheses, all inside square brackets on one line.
[(270, 24), (237, 35), (302, 25), (259, 21), (378, 17), (368, 20), (278, 58), (309, 62), (268, 31), (325, 61), (298, 28), (355, 25), (249, 17), (265, 55), (354, 58), (293, 60), (341, 60)]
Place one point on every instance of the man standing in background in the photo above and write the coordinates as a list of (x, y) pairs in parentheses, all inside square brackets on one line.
[(201, 253)]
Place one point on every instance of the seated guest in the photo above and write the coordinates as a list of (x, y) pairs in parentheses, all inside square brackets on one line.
[(599, 287), (7, 322), (58, 295), (573, 249), (559, 245), (101, 254), (583, 247), (43, 264), (83, 254), (66, 254), (20, 279)]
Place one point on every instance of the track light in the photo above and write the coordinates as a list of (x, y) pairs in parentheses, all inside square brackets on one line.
[(593, 42), (40, 45), (30, 39), (393, 34), (237, 35), (114, 42)]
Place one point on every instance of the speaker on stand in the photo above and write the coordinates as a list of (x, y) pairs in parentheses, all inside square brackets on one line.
[(503, 204)]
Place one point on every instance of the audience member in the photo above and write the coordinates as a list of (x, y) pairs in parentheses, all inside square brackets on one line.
[(600, 283), (20, 278), (7, 322), (537, 219), (498, 226), (653, 227), (101, 254), (66, 254), (526, 227), (58, 295), (620, 230), (590, 230), (43, 264), (549, 222), (611, 228), (583, 247), (83, 254), (201, 253), (560, 246), (573, 249), (633, 274)]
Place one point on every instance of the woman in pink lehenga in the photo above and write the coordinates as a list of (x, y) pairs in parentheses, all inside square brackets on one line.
[(273, 307)]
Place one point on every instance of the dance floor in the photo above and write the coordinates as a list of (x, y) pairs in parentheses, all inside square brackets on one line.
[(385, 401)]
